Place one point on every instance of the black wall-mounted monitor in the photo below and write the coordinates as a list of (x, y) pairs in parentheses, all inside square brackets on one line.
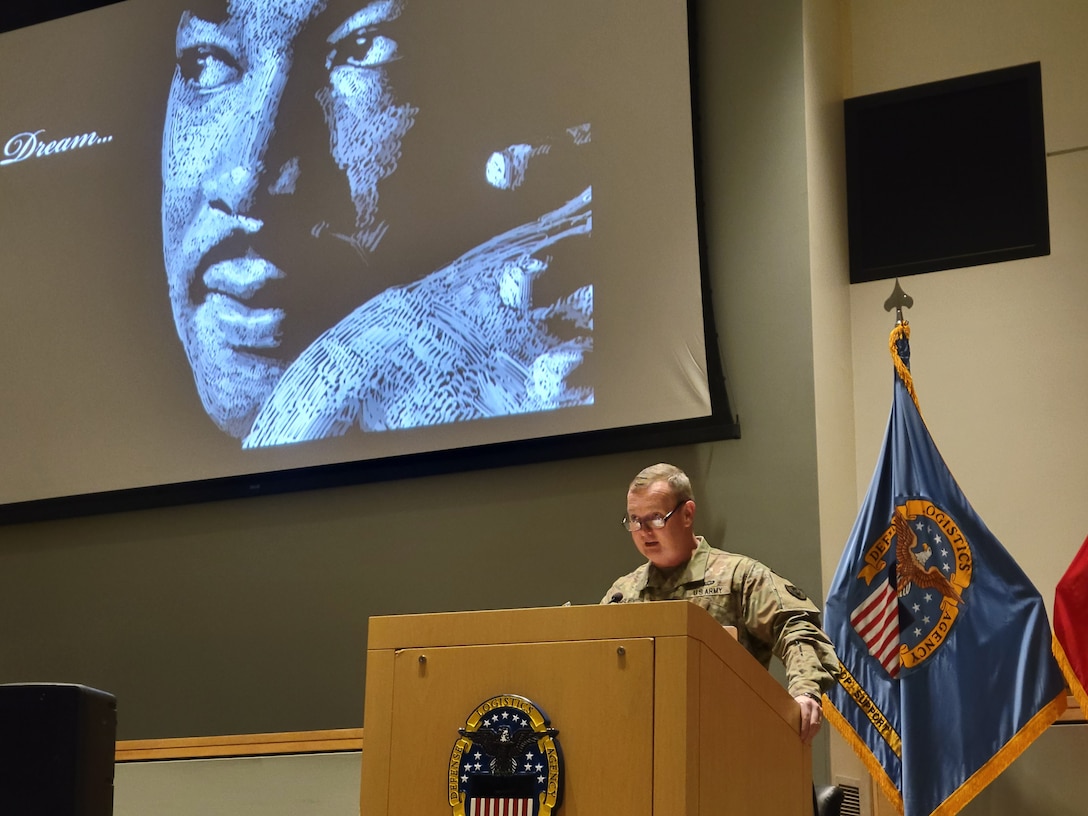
[(947, 174)]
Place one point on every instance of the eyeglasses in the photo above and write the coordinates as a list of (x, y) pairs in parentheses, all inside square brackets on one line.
[(656, 521)]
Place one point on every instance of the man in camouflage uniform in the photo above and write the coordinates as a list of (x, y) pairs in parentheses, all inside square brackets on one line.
[(772, 616)]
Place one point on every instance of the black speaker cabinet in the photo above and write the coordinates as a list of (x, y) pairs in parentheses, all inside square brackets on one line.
[(57, 745)]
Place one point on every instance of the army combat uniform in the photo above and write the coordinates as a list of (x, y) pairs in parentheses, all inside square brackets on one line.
[(771, 615)]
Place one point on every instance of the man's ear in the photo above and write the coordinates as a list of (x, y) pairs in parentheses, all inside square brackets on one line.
[(688, 511)]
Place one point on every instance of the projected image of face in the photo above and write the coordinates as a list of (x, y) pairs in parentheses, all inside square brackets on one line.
[(300, 294)]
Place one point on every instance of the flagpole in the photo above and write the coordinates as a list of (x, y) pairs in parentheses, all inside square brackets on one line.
[(898, 300)]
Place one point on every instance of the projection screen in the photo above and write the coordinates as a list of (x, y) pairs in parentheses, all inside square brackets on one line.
[(258, 245)]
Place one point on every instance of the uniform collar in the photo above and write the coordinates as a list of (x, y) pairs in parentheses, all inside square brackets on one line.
[(693, 572)]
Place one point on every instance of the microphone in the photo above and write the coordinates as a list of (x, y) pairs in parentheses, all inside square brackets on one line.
[(616, 598)]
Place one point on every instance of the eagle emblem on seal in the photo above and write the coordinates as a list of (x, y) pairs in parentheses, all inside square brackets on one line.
[(507, 761)]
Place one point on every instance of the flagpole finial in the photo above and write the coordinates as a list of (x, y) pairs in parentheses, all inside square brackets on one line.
[(898, 301)]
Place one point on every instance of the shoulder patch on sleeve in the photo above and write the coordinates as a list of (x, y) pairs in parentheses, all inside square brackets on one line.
[(795, 592)]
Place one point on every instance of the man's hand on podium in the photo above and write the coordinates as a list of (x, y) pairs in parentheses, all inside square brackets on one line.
[(812, 716)]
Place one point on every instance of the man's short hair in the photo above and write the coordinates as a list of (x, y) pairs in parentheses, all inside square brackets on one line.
[(678, 481)]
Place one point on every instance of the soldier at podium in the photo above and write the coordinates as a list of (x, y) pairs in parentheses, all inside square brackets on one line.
[(771, 615)]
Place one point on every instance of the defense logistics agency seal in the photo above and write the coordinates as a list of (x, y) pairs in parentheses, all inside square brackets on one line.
[(507, 761), (929, 594)]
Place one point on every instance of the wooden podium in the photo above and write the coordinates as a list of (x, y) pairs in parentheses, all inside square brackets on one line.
[(659, 710)]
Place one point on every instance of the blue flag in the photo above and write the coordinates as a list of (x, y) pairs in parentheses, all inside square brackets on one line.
[(945, 645)]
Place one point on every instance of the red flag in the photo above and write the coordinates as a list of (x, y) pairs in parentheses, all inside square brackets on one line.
[(1071, 625)]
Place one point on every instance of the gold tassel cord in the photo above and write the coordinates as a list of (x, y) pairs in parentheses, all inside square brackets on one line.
[(902, 331)]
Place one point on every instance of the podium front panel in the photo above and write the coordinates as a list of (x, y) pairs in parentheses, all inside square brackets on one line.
[(598, 694)]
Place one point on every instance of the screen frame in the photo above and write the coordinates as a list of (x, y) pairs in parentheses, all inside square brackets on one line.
[(720, 424)]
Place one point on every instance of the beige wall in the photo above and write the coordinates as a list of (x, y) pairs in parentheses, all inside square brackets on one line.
[(826, 57)]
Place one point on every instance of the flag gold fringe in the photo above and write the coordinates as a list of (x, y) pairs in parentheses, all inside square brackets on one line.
[(1079, 694), (1003, 758), (902, 331), (875, 769), (978, 780)]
